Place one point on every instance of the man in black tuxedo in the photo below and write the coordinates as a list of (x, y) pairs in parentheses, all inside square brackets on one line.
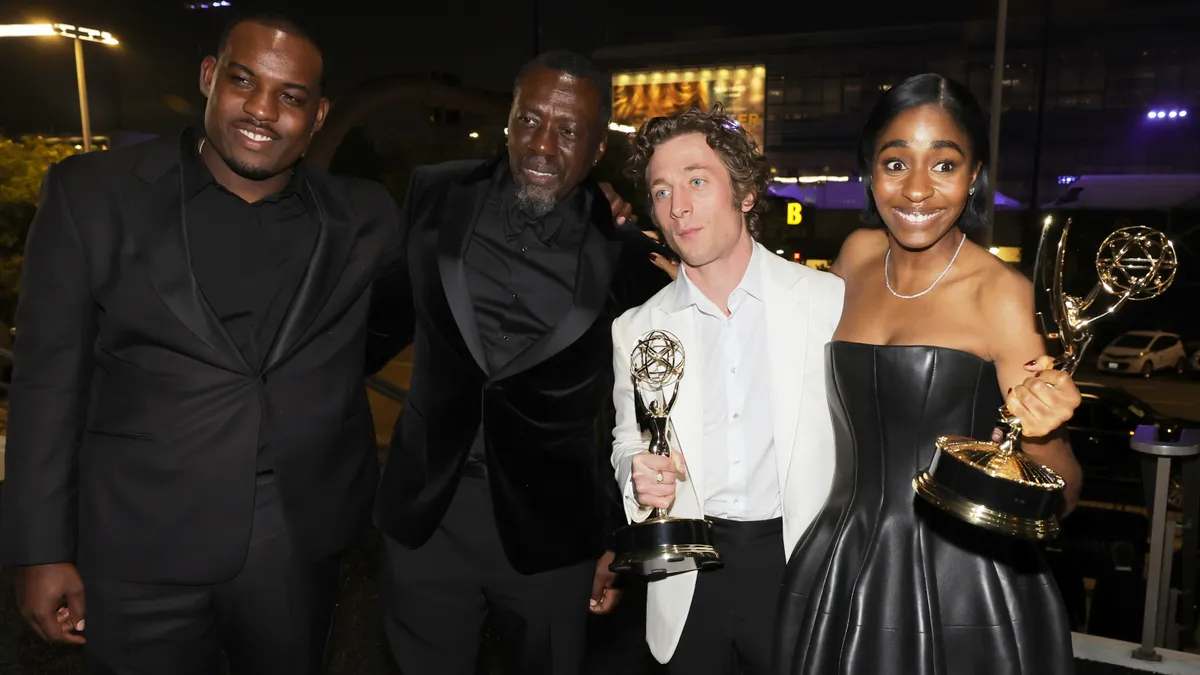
[(189, 437), (496, 495)]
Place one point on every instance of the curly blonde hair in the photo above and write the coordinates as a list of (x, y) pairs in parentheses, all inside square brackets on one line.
[(739, 153)]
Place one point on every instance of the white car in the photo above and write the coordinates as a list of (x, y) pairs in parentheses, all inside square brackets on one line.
[(1143, 352)]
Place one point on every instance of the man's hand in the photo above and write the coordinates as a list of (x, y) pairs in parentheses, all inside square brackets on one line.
[(621, 209), (654, 478), (604, 596), (50, 597)]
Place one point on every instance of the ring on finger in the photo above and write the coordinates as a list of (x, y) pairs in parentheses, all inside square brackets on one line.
[(658, 478)]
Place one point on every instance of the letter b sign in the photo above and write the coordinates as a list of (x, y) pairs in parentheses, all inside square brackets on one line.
[(795, 213)]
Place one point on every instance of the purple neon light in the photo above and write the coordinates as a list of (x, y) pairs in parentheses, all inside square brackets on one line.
[(1164, 114)]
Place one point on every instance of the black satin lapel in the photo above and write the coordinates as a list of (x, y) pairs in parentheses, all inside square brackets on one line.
[(325, 273), (597, 261), (159, 225), (463, 205)]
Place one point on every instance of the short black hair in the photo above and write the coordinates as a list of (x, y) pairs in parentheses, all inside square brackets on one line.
[(279, 21), (963, 108), (573, 64)]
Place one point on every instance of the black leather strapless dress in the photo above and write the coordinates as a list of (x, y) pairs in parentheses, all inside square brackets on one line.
[(884, 584)]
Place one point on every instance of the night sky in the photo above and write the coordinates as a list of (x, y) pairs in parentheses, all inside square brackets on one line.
[(149, 82)]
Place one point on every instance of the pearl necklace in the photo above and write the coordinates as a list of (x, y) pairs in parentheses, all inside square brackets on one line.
[(887, 258)]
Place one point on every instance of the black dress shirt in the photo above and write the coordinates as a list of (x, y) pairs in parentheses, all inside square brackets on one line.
[(248, 258), (521, 272)]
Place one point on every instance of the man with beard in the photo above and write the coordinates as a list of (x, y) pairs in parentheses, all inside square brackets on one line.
[(497, 495), (189, 438)]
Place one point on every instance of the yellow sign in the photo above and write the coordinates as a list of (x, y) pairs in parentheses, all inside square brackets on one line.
[(641, 95), (795, 213)]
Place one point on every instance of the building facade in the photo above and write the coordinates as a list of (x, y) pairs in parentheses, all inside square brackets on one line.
[(1080, 95)]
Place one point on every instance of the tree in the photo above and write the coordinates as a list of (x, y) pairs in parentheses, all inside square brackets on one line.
[(23, 164)]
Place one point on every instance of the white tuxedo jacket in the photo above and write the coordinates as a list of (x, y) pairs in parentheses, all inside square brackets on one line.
[(802, 310)]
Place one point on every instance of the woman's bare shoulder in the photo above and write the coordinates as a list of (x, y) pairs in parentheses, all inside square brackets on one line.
[(1005, 297), (863, 245), (1001, 280)]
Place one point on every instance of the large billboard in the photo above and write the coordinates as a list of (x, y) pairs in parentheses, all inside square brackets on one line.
[(642, 95)]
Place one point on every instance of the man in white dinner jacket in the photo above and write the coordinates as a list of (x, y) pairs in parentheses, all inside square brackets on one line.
[(750, 429)]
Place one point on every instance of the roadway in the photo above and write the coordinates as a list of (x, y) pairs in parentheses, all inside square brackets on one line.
[(1169, 394)]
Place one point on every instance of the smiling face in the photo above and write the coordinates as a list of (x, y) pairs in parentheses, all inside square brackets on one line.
[(554, 137), (693, 201), (922, 174), (264, 100)]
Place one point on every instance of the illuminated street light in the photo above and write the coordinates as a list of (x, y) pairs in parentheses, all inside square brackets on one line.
[(27, 30), (59, 29), (79, 35)]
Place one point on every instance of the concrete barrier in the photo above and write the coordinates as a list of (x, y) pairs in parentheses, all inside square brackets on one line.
[(1117, 656)]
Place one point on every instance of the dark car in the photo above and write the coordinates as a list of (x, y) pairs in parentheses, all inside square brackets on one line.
[(1193, 359), (1100, 433)]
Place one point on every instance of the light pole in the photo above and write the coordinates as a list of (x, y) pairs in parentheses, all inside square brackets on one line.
[(994, 130), (78, 34)]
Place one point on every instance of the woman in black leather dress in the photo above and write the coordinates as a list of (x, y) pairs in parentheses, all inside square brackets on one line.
[(934, 334)]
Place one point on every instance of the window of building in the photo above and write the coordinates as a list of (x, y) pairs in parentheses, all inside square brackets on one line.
[(1168, 77), (1077, 82), (979, 81), (1079, 100), (445, 116), (804, 98), (775, 89), (851, 94), (1130, 86), (1191, 76)]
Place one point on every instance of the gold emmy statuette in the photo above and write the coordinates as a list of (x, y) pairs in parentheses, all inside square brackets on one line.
[(996, 486), (661, 545)]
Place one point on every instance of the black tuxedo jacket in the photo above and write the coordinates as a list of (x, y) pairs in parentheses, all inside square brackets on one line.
[(548, 462), (135, 421)]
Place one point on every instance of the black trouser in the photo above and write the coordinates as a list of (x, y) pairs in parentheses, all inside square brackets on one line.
[(272, 618), (730, 623), (438, 596)]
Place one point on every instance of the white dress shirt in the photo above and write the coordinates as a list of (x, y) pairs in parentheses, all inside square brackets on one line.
[(742, 482)]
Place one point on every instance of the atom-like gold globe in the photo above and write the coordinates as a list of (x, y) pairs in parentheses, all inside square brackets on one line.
[(1139, 260), (657, 360)]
